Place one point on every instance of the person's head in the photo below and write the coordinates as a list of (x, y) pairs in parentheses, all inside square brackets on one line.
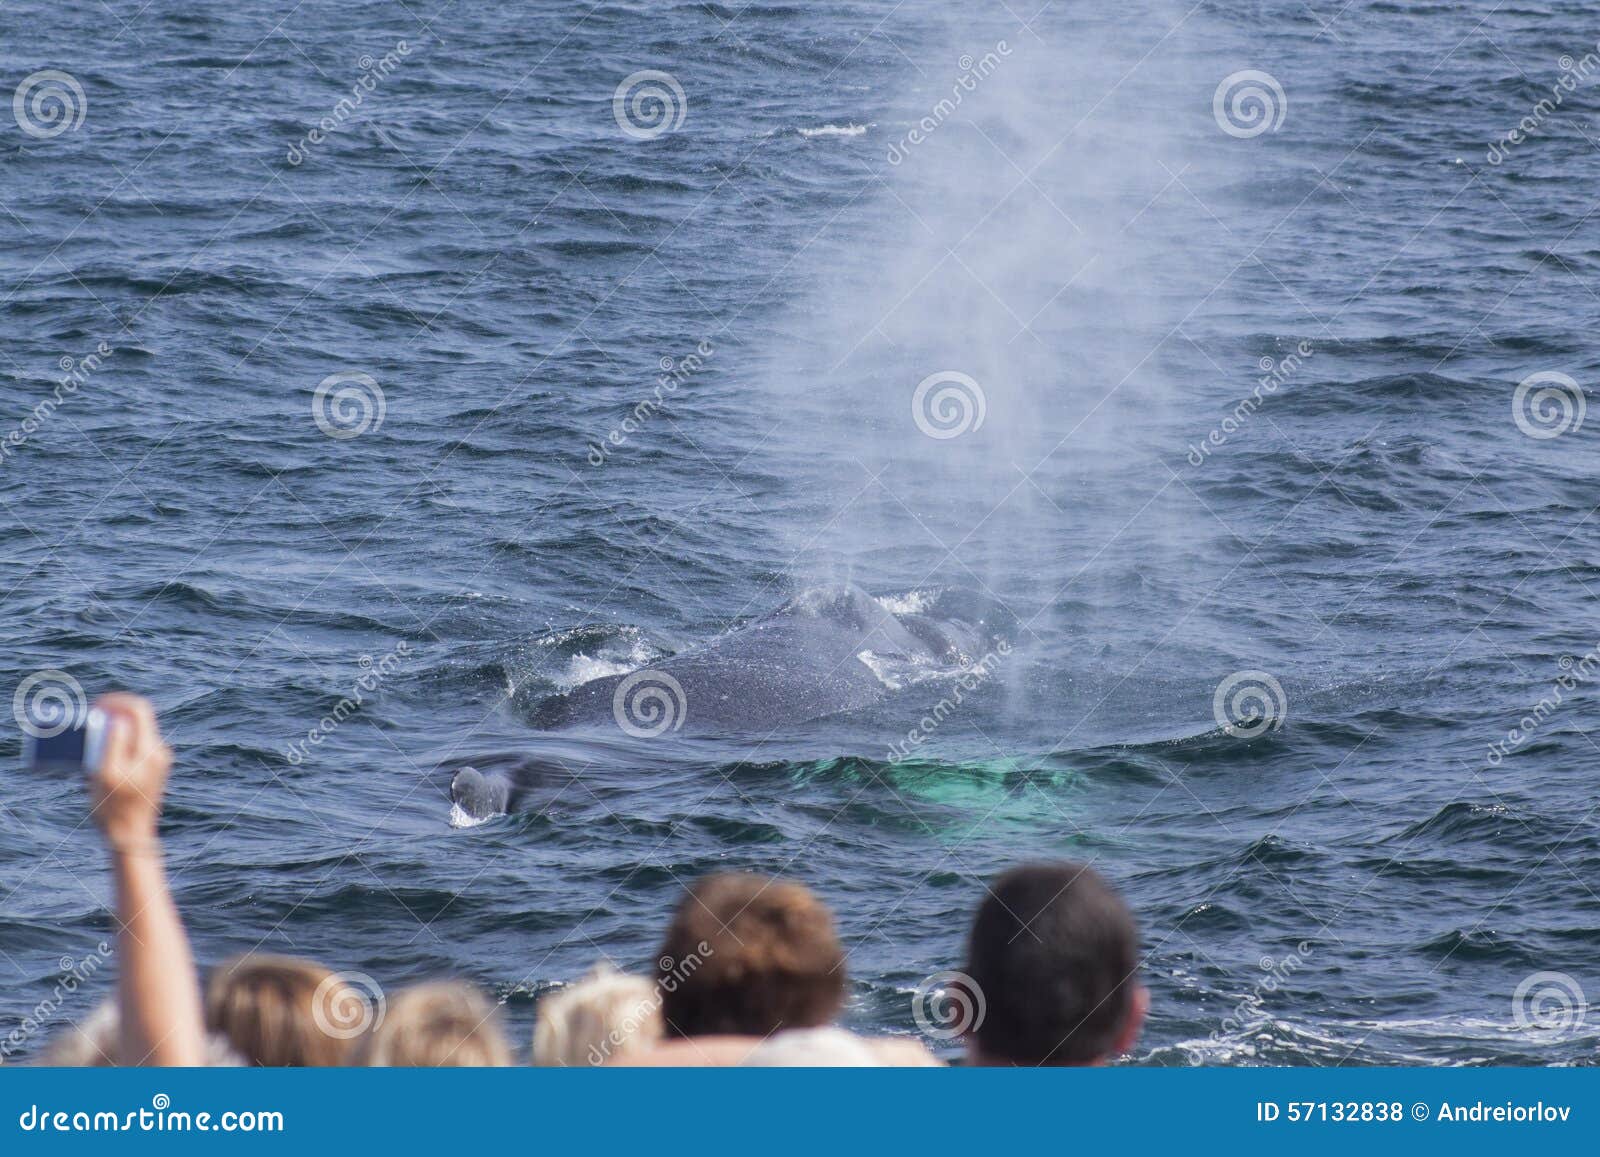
[(280, 1010), (1053, 954), (749, 956), (435, 1025), (605, 1016)]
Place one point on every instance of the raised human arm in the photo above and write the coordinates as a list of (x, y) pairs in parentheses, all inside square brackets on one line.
[(158, 989)]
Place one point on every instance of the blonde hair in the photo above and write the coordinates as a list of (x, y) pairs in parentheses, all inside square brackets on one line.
[(280, 1010), (604, 1016), (443, 1023)]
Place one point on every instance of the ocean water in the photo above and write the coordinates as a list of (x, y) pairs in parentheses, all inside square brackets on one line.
[(496, 384)]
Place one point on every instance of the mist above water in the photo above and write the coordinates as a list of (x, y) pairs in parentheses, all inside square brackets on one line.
[(984, 388)]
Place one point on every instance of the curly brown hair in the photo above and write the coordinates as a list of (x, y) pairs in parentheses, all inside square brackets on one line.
[(749, 955)]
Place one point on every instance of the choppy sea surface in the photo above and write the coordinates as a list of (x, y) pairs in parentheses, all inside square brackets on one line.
[(443, 375)]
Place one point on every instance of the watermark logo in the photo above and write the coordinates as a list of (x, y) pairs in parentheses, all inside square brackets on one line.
[(49, 702), (1249, 703), (1548, 405), (1248, 103), (156, 1119), (1550, 1003), (347, 1004), (49, 103), (948, 404), (649, 104), (649, 703), (948, 1005), (348, 404)]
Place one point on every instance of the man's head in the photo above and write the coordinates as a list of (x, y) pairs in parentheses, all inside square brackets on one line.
[(1053, 954), (749, 956)]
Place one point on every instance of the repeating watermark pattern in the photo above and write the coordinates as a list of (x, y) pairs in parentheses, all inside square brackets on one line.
[(48, 702), (1274, 373), (948, 404), (973, 72), (649, 703), (49, 103), (347, 1004), (1277, 975), (76, 373), (347, 404), (673, 374), (1574, 75), (1248, 703), (1248, 103), (373, 73), (972, 677), (373, 673), (1574, 674), (948, 1005), (74, 974), (1549, 1003), (1548, 404), (673, 973), (648, 104)]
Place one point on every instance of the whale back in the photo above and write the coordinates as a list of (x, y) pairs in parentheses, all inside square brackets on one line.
[(818, 654)]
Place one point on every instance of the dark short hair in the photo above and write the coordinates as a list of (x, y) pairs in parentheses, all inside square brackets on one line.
[(1053, 953), (750, 956)]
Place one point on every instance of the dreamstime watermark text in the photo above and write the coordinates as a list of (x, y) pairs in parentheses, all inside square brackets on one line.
[(1277, 976), (160, 1117), (970, 680), (74, 975), (76, 373), (1574, 75), (1274, 373), (674, 973), (373, 73), (373, 673), (1574, 674), (973, 72), (673, 374)]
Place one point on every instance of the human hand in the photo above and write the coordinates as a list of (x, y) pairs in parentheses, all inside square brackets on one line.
[(126, 790)]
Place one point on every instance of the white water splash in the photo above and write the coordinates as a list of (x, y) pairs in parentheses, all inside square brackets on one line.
[(910, 603), (460, 819), (845, 130)]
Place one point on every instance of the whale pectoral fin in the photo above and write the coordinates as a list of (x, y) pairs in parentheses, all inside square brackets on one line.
[(478, 797)]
